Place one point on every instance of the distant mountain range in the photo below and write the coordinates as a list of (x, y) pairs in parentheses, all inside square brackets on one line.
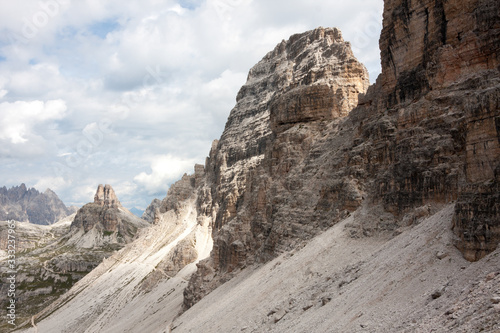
[(136, 211), (29, 205)]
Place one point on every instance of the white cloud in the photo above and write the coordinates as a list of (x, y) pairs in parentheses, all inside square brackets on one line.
[(165, 73), (18, 119), (56, 184), (164, 171)]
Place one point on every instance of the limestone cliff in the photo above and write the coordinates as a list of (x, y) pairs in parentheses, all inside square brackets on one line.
[(263, 189), (300, 150), (440, 60)]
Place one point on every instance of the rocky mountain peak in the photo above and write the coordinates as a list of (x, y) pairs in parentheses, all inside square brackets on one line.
[(21, 203), (105, 221), (299, 153), (305, 83), (341, 207), (105, 196)]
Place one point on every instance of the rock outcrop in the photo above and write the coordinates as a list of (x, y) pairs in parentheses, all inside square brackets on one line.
[(28, 205), (305, 146), (261, 175), (152, 212), (51, 259), (104, 221)]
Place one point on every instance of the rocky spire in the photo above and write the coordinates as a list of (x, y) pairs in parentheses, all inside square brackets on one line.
[(106, 197)]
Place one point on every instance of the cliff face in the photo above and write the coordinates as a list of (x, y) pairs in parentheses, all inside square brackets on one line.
[(445, 54), (22, 204), (104, 221), (297, 155), (262, 176)]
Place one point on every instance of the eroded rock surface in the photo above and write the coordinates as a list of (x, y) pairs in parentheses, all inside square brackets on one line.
[(260, 195), (305, 145)]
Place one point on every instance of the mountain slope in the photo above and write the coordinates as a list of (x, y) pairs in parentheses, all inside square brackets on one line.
[(51, 259), (333, 207), (415, 282), (22, 204), (141, 285)]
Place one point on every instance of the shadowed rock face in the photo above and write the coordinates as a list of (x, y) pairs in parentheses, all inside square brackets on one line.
[(152, 211), (448, 51), (297, 155), (22, 204)]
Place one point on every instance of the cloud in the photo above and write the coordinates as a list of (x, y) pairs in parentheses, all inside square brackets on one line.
[(164, 171), (18, 120), (56, 184), (163, 74)]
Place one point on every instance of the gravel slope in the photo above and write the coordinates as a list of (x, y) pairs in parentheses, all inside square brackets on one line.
[(415, 282)]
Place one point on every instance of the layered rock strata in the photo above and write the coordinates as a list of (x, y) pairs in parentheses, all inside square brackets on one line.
[(300, 151), (446, 54), (258, 194)]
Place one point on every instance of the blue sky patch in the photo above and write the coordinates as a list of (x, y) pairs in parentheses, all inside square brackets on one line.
[(102, 28), (190, 4), (2, 58)]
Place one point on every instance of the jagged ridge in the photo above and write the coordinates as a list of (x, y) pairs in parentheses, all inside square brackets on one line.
[(29, 205)]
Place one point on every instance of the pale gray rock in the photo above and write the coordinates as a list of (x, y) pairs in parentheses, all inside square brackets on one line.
[(28, 205)]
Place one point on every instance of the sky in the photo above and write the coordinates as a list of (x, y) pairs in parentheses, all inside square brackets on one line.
[(132, 93)]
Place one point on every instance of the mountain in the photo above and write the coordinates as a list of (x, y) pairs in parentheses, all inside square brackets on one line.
[(330, 205), (152, 211), (104, 222), (137, 212), (425, 135), (141, 285), (22, 204), (50, 259)]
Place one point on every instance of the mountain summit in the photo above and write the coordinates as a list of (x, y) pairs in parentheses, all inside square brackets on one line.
[(28, 205), (333, 206), (104, 221)]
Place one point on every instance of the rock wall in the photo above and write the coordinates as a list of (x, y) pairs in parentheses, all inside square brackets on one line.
[(448, 51), (297, 155)]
